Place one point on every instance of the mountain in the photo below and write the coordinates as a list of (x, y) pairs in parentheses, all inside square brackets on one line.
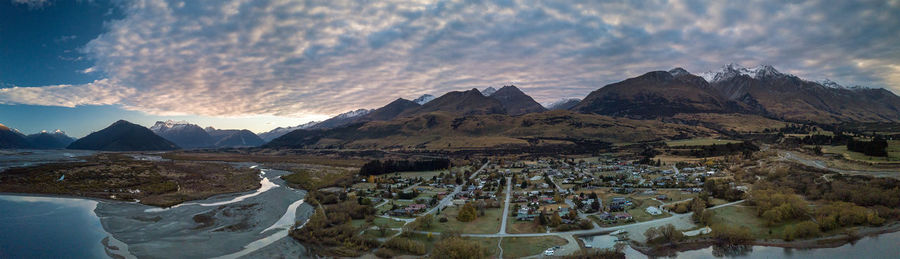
[(783, 96), (389, 111), (425, 98), (123, 136), (441, 130), (341, 119), (183, 134), (515, 101), (488, 91), (278, 132), (49, 140), (234, 138), (469, 102), (563, 104), (657, 93), (10, 138)]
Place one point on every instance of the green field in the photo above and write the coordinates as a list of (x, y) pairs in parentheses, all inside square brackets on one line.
[(388, 222), (487, 224), (699, 142), (518, 247), (739, 215), (514, 226)]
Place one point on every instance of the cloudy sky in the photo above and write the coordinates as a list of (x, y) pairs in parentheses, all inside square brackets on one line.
[(80, 65)]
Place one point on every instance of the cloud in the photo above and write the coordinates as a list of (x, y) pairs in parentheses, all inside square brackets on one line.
[(292, 58), (33, 4), (99, 92)]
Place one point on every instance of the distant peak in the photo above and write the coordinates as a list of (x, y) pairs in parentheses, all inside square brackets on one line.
[(425, 98), (732, 70), (487, 91), (678, 71), (353, 114)]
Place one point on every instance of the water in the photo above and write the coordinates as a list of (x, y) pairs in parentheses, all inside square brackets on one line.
[(44, 227), (55, 227), (24, 157), (881, 246)]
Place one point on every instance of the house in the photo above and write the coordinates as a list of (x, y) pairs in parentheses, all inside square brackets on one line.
[(525, 214), (415, 208), (653, 210), (623, 216), (399, 212)]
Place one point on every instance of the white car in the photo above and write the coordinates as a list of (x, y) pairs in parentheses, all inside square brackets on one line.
[(548, 252)]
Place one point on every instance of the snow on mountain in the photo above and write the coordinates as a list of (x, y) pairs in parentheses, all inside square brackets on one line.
[(488, 91), (161, 126), (562, 104), (353, 114), (733, 70), (280, 131), (678, 71), (425, 98)]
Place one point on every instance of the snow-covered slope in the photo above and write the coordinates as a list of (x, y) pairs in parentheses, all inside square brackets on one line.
[(488, 91), (732, 70), (280, 131), (425, 98)]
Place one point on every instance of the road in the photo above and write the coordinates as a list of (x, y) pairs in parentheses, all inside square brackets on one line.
[(505, 214)]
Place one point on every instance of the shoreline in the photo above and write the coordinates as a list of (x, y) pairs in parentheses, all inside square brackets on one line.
[(816, 243)]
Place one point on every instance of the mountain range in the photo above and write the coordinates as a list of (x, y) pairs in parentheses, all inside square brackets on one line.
[(10, 138), (509, 116)]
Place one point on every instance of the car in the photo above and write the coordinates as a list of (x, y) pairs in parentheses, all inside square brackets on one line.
[(549, 252), (588, 245)]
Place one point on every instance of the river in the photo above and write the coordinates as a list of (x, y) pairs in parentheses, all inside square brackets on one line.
[(881, 246), (253, 224)]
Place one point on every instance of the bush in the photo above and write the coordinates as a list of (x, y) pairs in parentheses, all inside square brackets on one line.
[(805, 229), (731, 234), (405, 244), (455, 247), (442, 219)]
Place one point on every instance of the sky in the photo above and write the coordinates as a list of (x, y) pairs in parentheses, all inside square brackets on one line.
[(80, 65)]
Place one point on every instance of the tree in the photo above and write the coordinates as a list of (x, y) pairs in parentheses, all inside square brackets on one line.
[(524, 184), (555, 220), (467, 213), (424, 222), (651, 233), (698, 206)]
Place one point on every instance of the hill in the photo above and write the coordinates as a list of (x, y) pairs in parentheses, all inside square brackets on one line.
[(441, 130), (49, 140), (12, 139), (123, 136), (515, 102), (655, 94), (234, 138), (471, 102)]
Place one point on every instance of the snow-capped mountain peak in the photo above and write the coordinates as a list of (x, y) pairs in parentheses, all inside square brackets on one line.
[(733, 70), (353, 114), (425, 98), (168, 125), (830, 84), (562, 104), (488, 91), (678, 71)]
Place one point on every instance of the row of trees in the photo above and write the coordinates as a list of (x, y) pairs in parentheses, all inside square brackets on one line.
[(876, 147), (378, 167)]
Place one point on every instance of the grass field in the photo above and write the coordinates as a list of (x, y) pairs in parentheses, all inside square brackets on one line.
[(514, 226), (487, 224), (388, 222), (517, 247), (746, 216), (639, 213), (699, 142)]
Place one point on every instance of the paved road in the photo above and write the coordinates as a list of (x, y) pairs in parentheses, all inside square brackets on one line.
[(505, 214)]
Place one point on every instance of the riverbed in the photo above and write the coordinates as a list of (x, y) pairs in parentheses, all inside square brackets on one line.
[(252, 224)]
